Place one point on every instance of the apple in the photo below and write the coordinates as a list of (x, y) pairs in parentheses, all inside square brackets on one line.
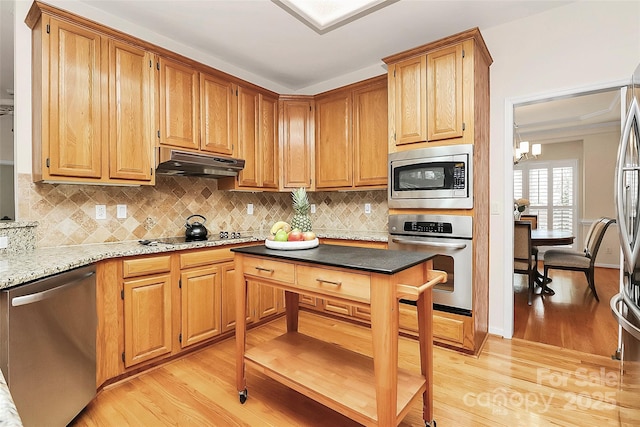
[(308, 235), (295, 235), (281, 236)]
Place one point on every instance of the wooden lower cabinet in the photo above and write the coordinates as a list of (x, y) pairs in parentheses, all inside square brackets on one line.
[(267, 300), (146, 298), (152, 307), (201, 302), (452, 330), (147, 318)]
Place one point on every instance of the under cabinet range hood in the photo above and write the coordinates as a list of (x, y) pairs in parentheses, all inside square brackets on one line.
[(185, 163)]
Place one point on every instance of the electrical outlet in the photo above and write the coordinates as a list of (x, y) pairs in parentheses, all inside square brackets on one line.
[(4, 242), (101, 212), (250, 209), (367, 208), (121, 211), (313, 208)]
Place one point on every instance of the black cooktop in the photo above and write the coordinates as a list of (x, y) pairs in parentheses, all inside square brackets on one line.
[(178, 240)]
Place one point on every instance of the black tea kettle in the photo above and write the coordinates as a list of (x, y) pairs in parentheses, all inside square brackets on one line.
[(196, 230)]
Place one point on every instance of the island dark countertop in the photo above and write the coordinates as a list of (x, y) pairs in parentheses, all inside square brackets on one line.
[(382, 261)]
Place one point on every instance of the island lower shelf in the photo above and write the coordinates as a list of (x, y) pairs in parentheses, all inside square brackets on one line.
[(340, 379)]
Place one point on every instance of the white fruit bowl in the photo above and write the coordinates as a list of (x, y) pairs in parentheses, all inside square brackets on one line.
[(292, 246)]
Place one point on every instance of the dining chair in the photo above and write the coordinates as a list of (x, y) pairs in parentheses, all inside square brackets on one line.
[(533, 219), (523, 260), (566, 259)]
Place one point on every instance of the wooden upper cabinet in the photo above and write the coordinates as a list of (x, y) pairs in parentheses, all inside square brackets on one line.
[(351, 136), (92, 104), (179, 104), (248, 104), (409, 79), (218, 114), (296, 142), (73, 100), (257, 127), (370, 134), (131, 127), (268, 138), (444, 93), (333, 140)]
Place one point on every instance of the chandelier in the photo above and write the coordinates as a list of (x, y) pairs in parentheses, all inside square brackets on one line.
[(523, 150)]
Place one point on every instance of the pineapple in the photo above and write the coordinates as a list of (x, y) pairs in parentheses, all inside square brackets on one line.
[(301, 219)]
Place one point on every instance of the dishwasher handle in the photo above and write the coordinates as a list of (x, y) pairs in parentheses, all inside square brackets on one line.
[(40, 296), (457, 246)]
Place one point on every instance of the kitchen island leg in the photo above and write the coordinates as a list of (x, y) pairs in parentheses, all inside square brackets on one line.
[(292, 303), (425, 318), (241, 327), (384, 331)]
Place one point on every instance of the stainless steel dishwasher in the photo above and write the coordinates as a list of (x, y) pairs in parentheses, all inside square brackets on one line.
[(48, 346)]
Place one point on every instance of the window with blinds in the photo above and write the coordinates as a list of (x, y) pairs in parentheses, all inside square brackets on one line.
[(551, 188)]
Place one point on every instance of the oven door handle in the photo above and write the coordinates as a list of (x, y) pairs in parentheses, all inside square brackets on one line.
[(457, 246)]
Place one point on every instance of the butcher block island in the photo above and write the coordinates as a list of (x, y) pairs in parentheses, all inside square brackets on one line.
[(369, 390)]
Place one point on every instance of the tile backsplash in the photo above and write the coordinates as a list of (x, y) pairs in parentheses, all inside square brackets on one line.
[(66, 212)]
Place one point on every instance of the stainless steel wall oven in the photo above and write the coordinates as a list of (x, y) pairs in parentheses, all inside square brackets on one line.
[(451, 237)]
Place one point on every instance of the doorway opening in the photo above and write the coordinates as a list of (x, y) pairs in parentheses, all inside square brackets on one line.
[(581, 128)]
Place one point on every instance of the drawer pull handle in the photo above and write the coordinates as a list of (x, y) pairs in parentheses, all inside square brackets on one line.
[(330, 282), (268, 270)]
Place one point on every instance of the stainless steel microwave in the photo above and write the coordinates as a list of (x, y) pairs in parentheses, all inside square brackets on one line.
[(434, 177)]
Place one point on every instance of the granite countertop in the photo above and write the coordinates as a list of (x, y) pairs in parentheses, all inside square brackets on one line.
[(17, 269), (363, 259)]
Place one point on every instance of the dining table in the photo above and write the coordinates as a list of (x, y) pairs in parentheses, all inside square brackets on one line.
[(541, 237)]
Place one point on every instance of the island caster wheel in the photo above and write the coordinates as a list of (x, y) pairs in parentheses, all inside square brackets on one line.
[(243, 395), (430, 424)]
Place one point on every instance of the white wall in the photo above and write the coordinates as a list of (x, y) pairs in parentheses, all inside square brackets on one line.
[(583, 44), (580, 45)]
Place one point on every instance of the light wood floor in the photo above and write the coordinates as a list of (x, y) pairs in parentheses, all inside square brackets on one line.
[(512, 383), (572, 318)]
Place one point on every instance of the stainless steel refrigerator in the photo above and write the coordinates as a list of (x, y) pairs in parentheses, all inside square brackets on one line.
[(626, 304)]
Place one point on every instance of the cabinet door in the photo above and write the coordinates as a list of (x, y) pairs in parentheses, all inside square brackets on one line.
[(333, 141), (370, 135), (248, 103), (147, 318), (268, 142), (227, 273), (444, 92), (270, 301), (201, 301), (131, 112), (179, 105), (218, 115), (410, 112), (76, 101), (296, 135)]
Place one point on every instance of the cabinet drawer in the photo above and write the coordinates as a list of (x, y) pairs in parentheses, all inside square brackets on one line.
[(269, 269), (337, 283), (210, 256), (143, 266), (448, 329)]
